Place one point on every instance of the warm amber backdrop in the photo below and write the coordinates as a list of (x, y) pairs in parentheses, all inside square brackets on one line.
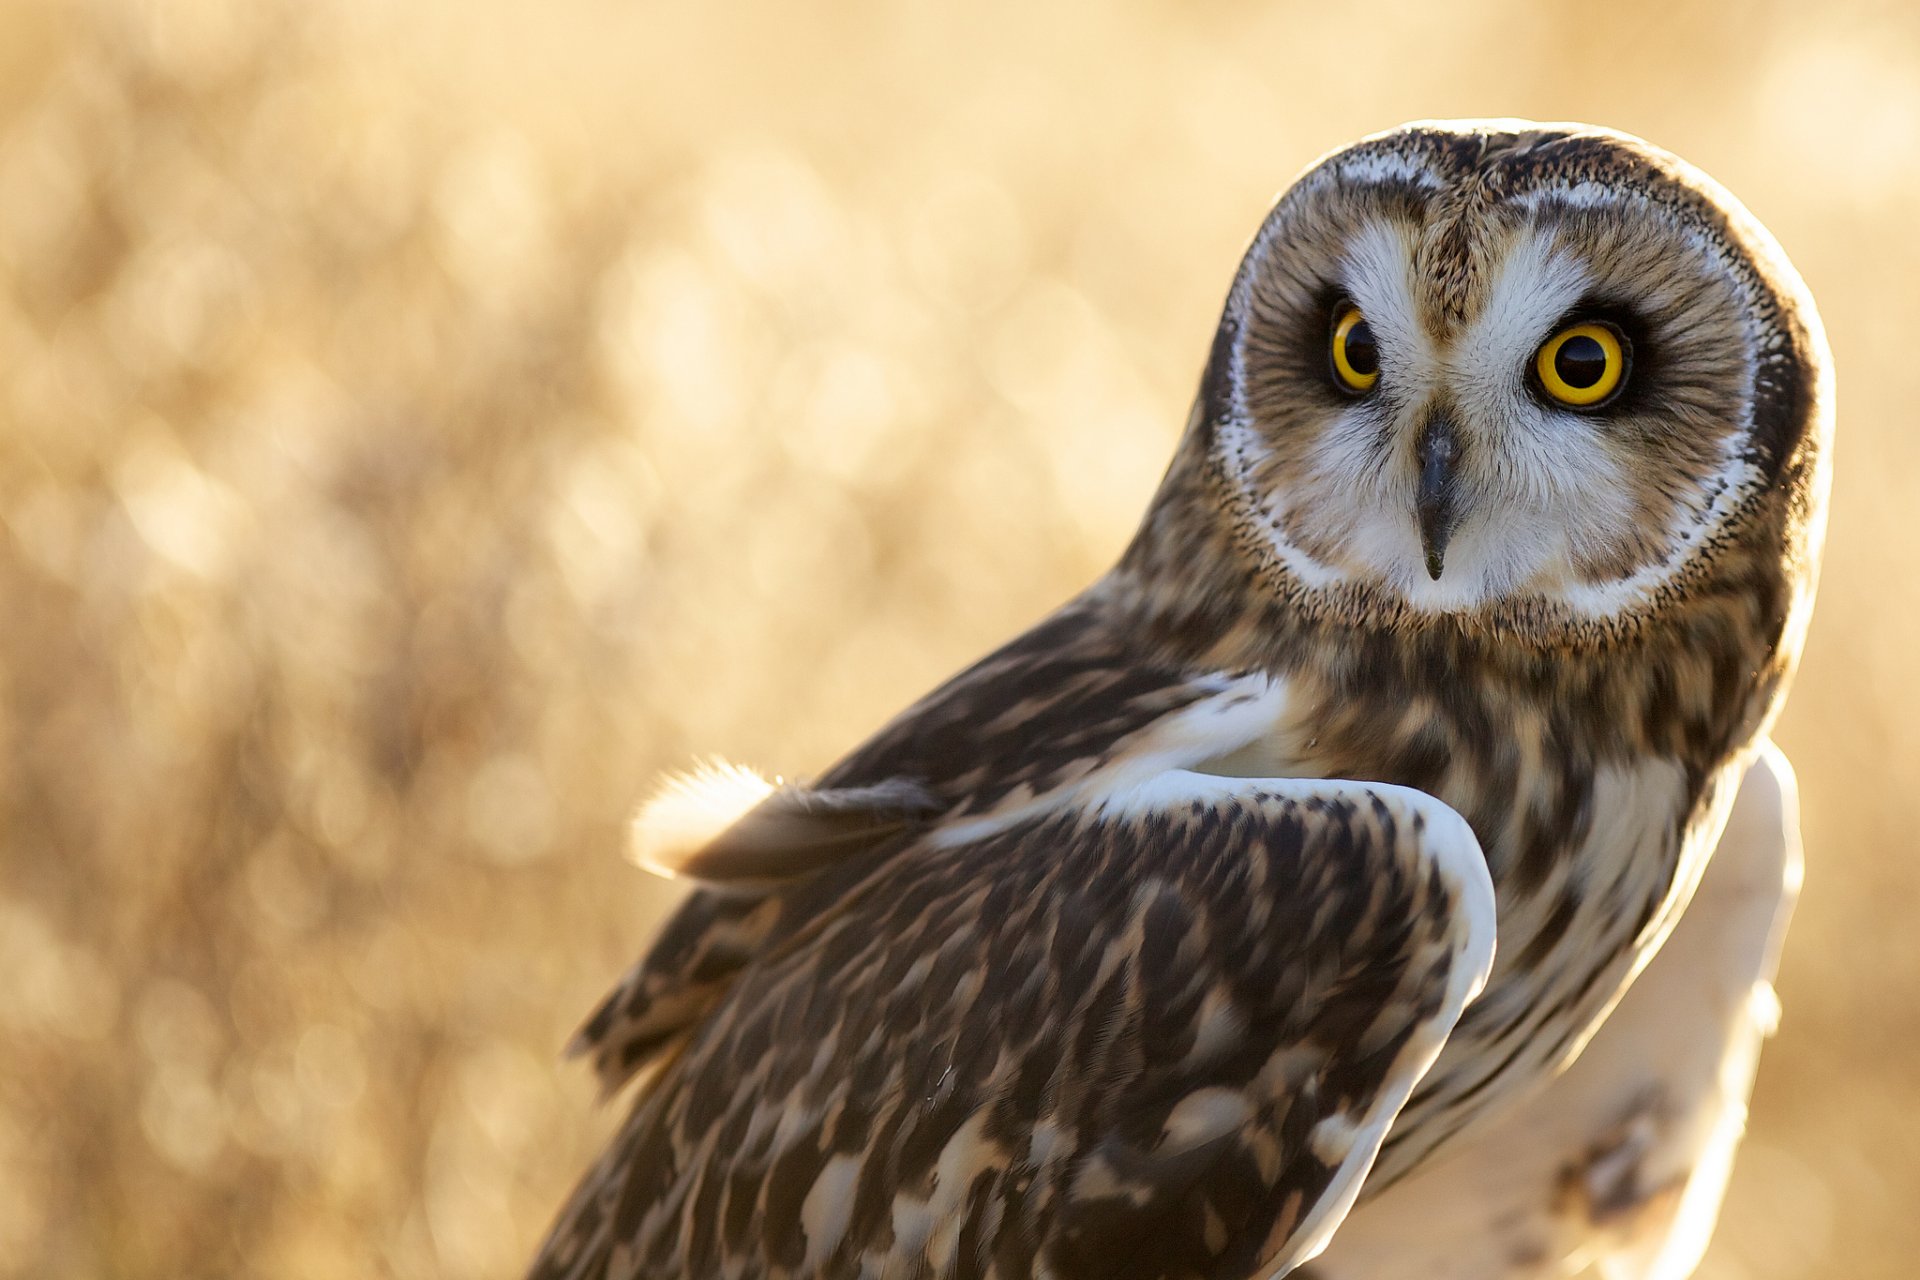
[(421, 424)]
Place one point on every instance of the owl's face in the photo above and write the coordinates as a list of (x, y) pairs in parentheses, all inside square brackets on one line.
[(1538, 367)]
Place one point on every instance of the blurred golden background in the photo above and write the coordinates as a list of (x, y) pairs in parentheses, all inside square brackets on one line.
[(422, 424)]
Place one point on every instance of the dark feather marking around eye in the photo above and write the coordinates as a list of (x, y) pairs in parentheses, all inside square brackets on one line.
[(1782, 390), (1216, 384)]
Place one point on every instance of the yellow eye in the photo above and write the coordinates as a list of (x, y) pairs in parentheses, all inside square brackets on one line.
[(1582, 365), (1356, 357)]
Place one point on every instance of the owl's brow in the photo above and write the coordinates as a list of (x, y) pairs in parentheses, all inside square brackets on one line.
[(1389, 171)]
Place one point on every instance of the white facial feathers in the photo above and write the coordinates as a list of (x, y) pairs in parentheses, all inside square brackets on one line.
[(1547, 490), (1552, 501)]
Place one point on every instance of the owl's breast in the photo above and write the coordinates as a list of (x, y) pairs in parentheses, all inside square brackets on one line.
[(1592, 848)]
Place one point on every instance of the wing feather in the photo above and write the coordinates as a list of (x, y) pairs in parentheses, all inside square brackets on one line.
[(1027, 719), (1159, 1038)]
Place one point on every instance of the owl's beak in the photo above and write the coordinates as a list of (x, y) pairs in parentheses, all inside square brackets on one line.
[(1439, 455)]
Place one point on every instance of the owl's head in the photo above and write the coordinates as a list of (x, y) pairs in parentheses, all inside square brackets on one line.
[(1494, 367)]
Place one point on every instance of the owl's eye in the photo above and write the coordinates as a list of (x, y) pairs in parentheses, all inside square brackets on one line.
[(1583, 365), (1356, 357)]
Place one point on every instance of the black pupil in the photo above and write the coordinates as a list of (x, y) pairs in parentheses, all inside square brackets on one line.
[(1363, 357), (1581, 362)]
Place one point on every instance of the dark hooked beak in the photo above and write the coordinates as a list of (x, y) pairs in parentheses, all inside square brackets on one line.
[(1436, 503)]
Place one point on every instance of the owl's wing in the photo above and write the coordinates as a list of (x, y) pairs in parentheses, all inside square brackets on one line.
[(1161, 1034), (1031, 718)]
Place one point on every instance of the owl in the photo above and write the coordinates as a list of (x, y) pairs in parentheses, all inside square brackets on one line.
[(1377, 874)]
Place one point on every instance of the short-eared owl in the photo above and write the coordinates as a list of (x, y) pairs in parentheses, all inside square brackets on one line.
[(1377, 874)]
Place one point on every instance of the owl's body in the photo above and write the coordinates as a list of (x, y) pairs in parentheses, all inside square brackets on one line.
[(1620, 1161), (1299, 858)]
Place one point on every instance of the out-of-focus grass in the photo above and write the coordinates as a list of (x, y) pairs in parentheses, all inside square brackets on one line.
[(419, 425)]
